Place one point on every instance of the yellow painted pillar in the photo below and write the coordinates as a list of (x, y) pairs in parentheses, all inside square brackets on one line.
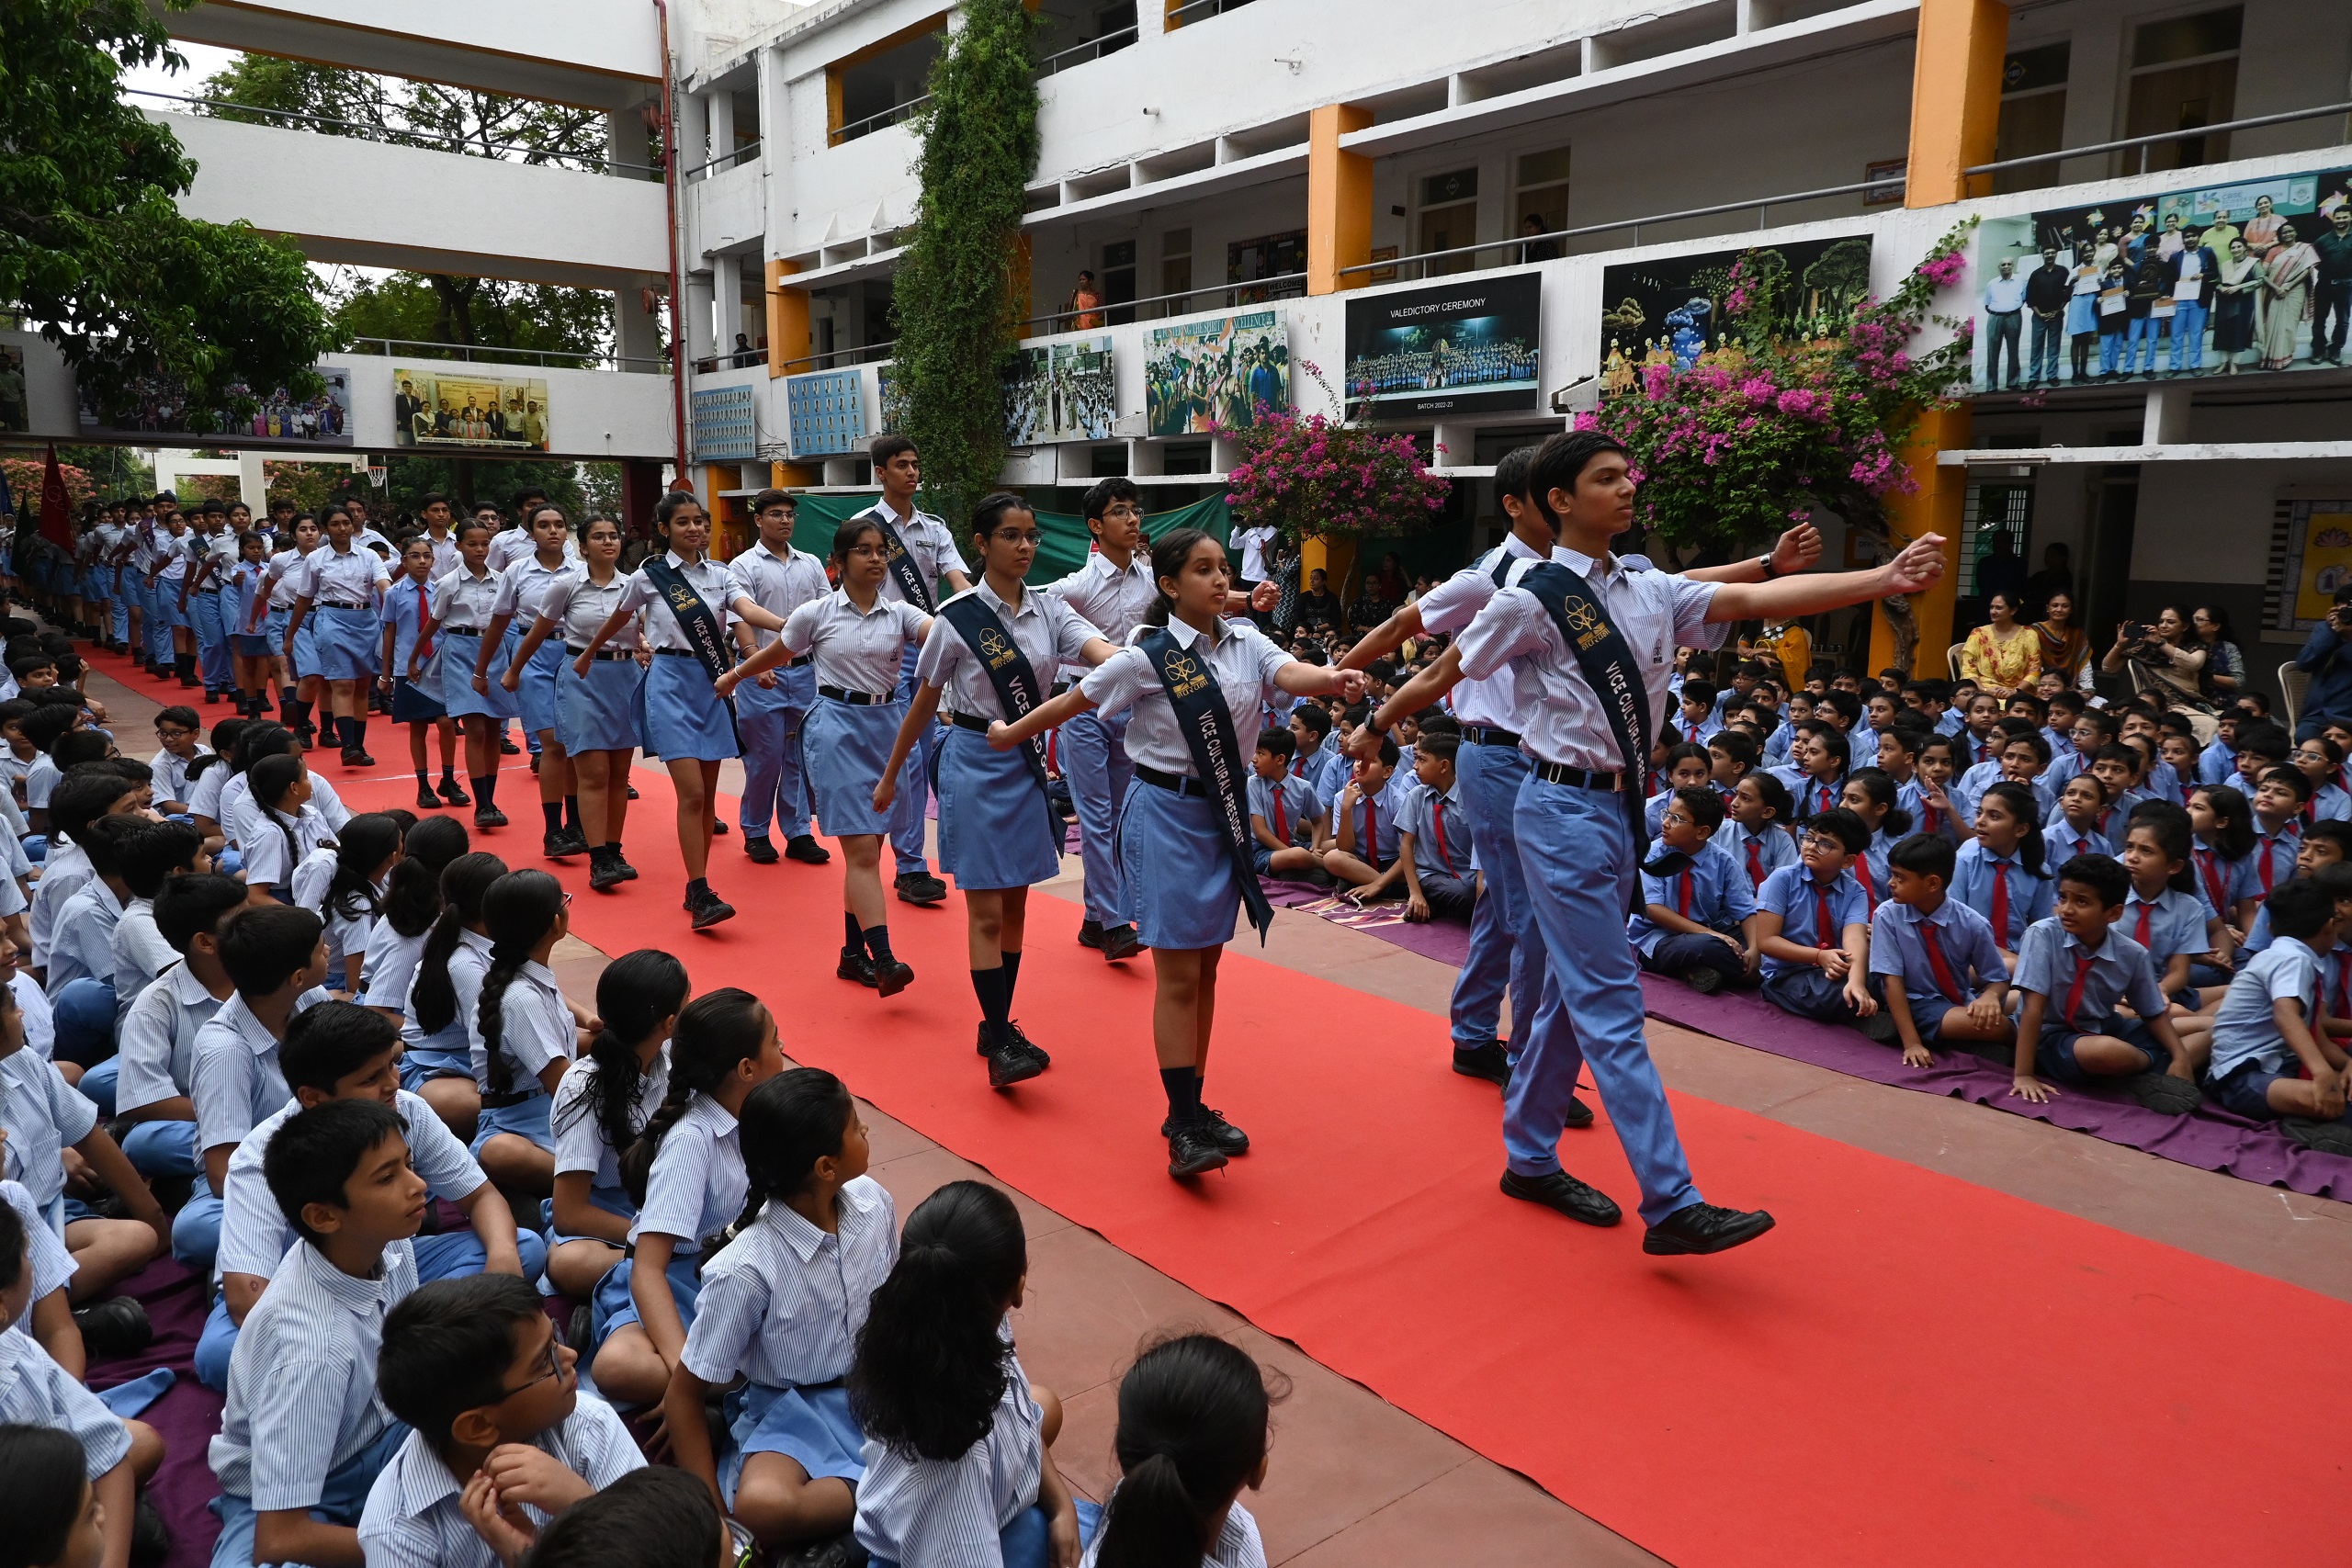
[(1936, 507), (1955, 98), (1332, 558), (1338, 199), (795, 476), (788, 320)]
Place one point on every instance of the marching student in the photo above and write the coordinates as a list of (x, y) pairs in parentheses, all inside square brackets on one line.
[(771, 714), (854, 636), (244, 602), (168, 630), (597, 694), (685, 1173), (410, 660), (1941, 974), (687, 722), (531, 667), (781, 1309), (439, 1017), (461, 604), (920, 551), (603, 1103), (211, 550), (998, 832), (344, 584), (1184, 834), (525, 1032)]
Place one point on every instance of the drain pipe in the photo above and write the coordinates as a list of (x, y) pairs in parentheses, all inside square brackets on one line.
[(677, 282)]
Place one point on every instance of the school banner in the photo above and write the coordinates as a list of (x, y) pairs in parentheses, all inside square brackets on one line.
[(1060, 392), (160, 406), (1451, 348), (1061, 552), (824, 412), (1672, 310), (2203, 280), (456, 404), (1216, 374)]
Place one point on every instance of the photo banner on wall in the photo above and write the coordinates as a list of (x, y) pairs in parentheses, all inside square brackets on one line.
[(465, 405), (160, 408), (725, 425), (825, 413), (1061, 392), (1214, 374), (2200, 280), (1446, 349), (1670, 310)]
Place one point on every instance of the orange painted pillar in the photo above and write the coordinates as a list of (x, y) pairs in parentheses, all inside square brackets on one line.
[(1936, 507), (1955, 98), (1338, 199), (787, 321)]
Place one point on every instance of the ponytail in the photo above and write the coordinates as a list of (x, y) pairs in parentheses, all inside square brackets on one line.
[(2168, 825), (270, 778), (2233, 825), (2027, 809), (1193, 1419), (1895, 822), (715, 1032), (363, 845), (930, 1366), (518, 911), (634, 995), (790, 1122), (412, 894), (433, 997)]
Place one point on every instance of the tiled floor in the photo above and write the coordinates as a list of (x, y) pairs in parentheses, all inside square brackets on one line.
[(1355, 1481)]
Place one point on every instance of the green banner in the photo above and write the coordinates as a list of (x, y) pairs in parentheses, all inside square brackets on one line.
[(1061, 552)]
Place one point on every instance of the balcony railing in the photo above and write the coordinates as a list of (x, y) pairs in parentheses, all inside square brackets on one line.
[(1238, 296), (1093, 49), (414, 348), (744, 153), (834, 359), (1199, 11), (525, 152), (874, 122), (2186, 133)]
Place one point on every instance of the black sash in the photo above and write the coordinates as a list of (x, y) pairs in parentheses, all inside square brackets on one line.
[(698, 621), (903, 570), (1502, 568), (1610, 668), (984, 632), (1207, 725)]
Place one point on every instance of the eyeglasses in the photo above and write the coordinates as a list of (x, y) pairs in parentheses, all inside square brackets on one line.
[(173, 734), (549, 1360), (1821, 844)]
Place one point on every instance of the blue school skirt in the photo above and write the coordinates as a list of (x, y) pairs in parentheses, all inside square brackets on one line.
[(612, 1307), (994, 828), (680, 717), (348, 642), (449, 1054), (535, 687), (844, 749), (306, 645), (597, 712), (814, 1427), (1180, 879), (612, 1200), (524, 1119), (458, 697), (416, 703), (252, 644)]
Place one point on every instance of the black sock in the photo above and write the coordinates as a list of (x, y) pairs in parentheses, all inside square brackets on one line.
[(424, 781), (1012, 977), (990, 986), (878, 942), (851, 936), (358, 733), (1183, 1089), (449, 774), (341, 731), (571, 813), (484, 789), (699, 885), (553, 811)]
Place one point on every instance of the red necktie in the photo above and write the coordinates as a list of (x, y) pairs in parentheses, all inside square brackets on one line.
[(1826, 934), (1946, 981), (423, 623), (2310, 810), (1694, 735), (1929, 822), (2343, 984), (1682, 894), (2001, 902), (1372, 831), (2139, 934), (1755, 862), (1437, 828), (2074, 991), (1298, 768), (1862, 875), (2268, 868), (1281, 831), (2217, 887), (1828, 798)]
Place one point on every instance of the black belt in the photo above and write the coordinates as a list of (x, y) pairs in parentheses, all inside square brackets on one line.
[(855, 699), (330, 604), (792, 663), (200, 592), (1175, 784), (1061, 686), (1580, 778), (677, 653), (1487, 734), (603, 653), (972, 722), (462, 631), (515, 1097)]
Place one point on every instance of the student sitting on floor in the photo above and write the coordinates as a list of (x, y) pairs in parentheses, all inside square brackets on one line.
[(654, 1518), (1942, 977), (497, 1428), (2277, 802), (1695, 722), (156, 1061), (1286, 817), (1999, 872), (1818, 758), (2082, 806), (48, 1313), (1681, 766), (1360, 841), (1433, 837), (2320, 761), (1732, 755), (303, 1434), (2074, 967), (1929, 795), (2162, 913), (2263, 1031), (1812, 929), (1758, 839), (1192, 1436), (2260, 748), (1698, 920), (1321, 766), (2221, 854), (139, 949), (1870, 794)]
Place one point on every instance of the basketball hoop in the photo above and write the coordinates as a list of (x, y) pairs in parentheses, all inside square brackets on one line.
[(377, 477)]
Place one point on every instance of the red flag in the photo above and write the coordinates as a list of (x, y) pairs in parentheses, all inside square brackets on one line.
[(54, 528)]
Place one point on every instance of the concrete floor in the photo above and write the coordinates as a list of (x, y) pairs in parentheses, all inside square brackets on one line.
[(1355, 1481)]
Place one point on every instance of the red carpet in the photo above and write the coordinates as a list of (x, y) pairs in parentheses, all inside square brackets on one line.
[(1909, 1369)]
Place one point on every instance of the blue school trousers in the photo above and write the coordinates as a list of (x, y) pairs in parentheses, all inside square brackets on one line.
[(911, 807), (776, 786), (1680, 953), (212, 639), (1575, 853), (161, 1148), (341, 1502), (1809, 993), (1491, 777), (1093, 752)]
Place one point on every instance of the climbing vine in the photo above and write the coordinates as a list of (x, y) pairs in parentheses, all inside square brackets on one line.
[(955, 288)]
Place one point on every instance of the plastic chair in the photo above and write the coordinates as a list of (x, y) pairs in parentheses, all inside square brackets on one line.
[(2292, 683), (1952, 660)]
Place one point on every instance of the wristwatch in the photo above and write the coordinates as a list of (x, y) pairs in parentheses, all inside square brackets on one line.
[(1765, 560)]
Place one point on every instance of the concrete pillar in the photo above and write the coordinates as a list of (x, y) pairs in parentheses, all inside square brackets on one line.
[(627, 140), (636, 333), (1955, 98), (787, 321), (2164, 420), (691, 144), (727, 286), (1338, 199), (697, 316), (719, 109), (1936, 507)]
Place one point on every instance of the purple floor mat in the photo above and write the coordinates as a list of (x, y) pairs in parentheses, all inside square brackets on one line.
[(186, 1417), (2210, 1138), (1448, 942)]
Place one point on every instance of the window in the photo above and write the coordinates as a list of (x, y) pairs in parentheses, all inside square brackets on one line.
[(2033, 114), (1543, 204), (1992, 509), (1175, 267), (1449, 219), (2184, 75), (882, 83), (1270, 256), (1119, 280)]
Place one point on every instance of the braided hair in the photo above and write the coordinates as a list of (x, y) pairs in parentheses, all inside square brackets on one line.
[(363, 844), (518, 911), (433, 996), (412, 894), (715, 1031), (635, 994)]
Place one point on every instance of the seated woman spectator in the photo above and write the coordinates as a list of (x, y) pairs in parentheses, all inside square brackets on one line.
[(2066, 647), (2001, 656), (2224, 662), (2166, 663)]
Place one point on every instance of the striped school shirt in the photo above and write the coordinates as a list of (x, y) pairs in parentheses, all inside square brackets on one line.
[(783, 1304)]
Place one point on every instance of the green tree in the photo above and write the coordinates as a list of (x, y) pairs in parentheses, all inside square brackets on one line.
[(92, 247), (954, 289)]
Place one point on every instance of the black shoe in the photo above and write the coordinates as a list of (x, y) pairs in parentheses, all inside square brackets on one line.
[(604, 871), (1228, 1137), (2162, 1092), (150, 1538), (1704, 1228), (1089, 934), (1012, 1066), (1489, 1062), (1120, 943), (455, 793), (807, 850), (632, 793), (562, 844), (629, 872), (535, 764), (855, 965), (488, 817), (891, 978), (920, 888), (1028, 1047), (1191, 1152), (1879, 1026), (1578, 1114), (116, 1327), (759, 851), (580, 1330), (507, 747), (709, 909), (1705, 981), (1564, 1192), (353, 758), (426, 800), (717, 829), (841, 1551)]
